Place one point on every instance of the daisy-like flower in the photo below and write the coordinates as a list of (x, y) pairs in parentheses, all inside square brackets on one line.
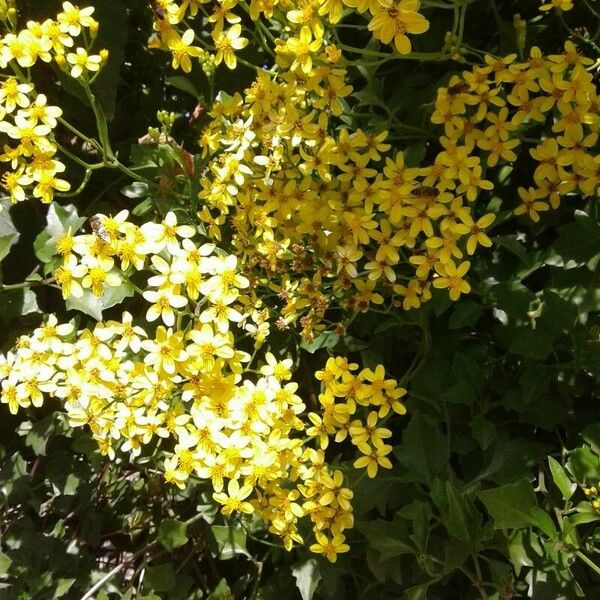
[(72, 18), (163, 301), (392, 21), (226, 42)]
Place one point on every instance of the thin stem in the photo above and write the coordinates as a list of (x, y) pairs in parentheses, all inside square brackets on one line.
[(79, 134), (592, 565)]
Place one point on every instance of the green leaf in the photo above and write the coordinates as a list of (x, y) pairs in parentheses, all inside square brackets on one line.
[(510, 505), (5, 562), (6, 241), (591, 434), (389, 538), (16, 303), (424, 450), (112, 35), (172, 534), (160, 578), (463, 521), (62, 586), (512, 244), (578, 241), (39, 434), (559, 476), (307, 577), (544, 521), (94, 305), (221, 592), (327, 339), (62, 218), (184, 84), (231, 540), (465, 314), (584, 465)]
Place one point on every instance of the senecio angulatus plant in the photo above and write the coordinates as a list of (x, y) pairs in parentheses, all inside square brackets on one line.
[(303, 217)]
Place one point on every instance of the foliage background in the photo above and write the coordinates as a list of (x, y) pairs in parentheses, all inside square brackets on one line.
[(486, 498)]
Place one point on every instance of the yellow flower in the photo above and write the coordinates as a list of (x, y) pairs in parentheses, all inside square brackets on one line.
[(72, 19), (373, 457), (329, 548), (81, 62), (163, 301), (303, 48), (165, 350), (475, 231), (225, 44), (181, 50), (233, 500), (531, 203), (563, 5), (451, 277), (392, 21)]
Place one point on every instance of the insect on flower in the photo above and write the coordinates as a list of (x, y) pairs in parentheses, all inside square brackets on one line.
[(459, 88), (158, 11), (98, 228), (424, 191)]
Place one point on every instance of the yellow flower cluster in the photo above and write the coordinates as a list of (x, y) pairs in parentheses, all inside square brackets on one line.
[(185, 389), (304, 25), (322, 212), (189, 383), (487, 109), (25, 116), (366, 389)]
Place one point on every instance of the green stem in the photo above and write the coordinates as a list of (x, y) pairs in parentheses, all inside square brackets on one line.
[(101, 124), (433, 56), (79, 134), (592, 565), (25, 284), (82, 185)]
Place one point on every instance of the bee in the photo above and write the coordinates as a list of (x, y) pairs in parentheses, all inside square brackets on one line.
[(98, 228), (459, 88), (158, 11), (424, 191)]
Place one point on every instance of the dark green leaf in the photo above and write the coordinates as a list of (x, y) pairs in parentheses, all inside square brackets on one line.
[(389, 538), (231, 540), (184, 84), (510, 505), (591, 434), (463, 520), (172, 534), (424, 450), (563, 483), (6, 241), (579, 241), (465, 314), (160, 578)]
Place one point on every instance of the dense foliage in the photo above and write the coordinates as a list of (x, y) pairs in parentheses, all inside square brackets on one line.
[(300, 298)]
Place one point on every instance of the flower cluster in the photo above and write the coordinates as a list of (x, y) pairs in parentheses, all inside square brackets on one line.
[(486, 111), (186, 385), (304, 26), (26, 117), (188, 392), (345, 392)]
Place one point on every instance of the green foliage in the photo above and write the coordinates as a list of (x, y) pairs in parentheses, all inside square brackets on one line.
[(492, 491)]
